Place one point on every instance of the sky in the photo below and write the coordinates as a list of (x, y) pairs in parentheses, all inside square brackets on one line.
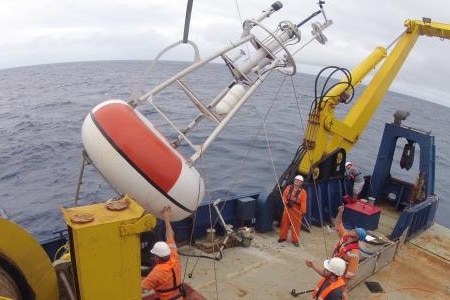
[(35, 32)]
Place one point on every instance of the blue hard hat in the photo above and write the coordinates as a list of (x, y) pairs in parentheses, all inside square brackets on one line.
[(361, 233)]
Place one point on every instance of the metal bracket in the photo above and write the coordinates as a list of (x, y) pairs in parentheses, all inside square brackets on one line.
[(228, 229), (145, 223)]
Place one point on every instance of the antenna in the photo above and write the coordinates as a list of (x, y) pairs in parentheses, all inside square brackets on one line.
[(321, 10), (321, 3)]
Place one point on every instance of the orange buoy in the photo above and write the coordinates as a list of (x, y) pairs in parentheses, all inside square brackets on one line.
[(137, 160)]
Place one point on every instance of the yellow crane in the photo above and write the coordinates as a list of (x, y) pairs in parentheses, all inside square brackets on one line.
[(325, 133)]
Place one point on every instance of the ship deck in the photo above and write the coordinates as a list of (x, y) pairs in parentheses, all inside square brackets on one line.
[(270, 270)]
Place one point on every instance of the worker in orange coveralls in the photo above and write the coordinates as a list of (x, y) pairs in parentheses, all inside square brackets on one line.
[(348, 247), (165, 278), (294, 199)]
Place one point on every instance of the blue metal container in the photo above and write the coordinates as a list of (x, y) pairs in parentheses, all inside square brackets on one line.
[(264, 213)]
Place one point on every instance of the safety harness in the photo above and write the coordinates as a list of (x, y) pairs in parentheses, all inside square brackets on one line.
[(343, 247), (297, 193), (180, 287)]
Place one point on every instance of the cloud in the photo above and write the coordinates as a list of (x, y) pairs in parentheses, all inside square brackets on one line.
[(43, 31)]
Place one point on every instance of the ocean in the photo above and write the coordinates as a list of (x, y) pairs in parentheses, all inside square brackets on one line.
[(43, 107)]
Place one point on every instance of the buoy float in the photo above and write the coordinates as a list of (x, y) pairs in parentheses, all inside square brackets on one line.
[(137, 160)]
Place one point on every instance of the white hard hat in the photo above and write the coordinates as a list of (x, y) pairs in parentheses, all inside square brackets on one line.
[(335, 265), (160, 249), (348, 164), (299, 177)]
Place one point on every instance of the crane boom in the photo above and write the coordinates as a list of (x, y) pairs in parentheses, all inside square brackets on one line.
[(325, 133)]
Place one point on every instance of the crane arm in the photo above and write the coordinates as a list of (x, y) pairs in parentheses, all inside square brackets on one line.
[(325, 133)]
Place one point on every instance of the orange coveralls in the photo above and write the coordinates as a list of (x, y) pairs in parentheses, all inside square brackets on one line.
[(295, 212), (165, 278)]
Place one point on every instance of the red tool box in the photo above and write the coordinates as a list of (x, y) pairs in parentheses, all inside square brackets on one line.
[(361, 214)]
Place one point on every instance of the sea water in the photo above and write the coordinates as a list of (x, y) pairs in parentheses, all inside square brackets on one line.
[(43, 107)]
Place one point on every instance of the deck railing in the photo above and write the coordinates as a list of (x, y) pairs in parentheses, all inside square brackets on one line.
[(417, 218)]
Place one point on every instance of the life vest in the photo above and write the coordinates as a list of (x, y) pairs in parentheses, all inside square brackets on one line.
[(175, 286), (344, 246), (297, 193), (320, 293)]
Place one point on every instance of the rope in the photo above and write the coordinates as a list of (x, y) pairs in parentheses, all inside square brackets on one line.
[(240, 172), (202, 159), (396, 39), (252, 144), (302, 150), (311, 132), (290, 173)]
